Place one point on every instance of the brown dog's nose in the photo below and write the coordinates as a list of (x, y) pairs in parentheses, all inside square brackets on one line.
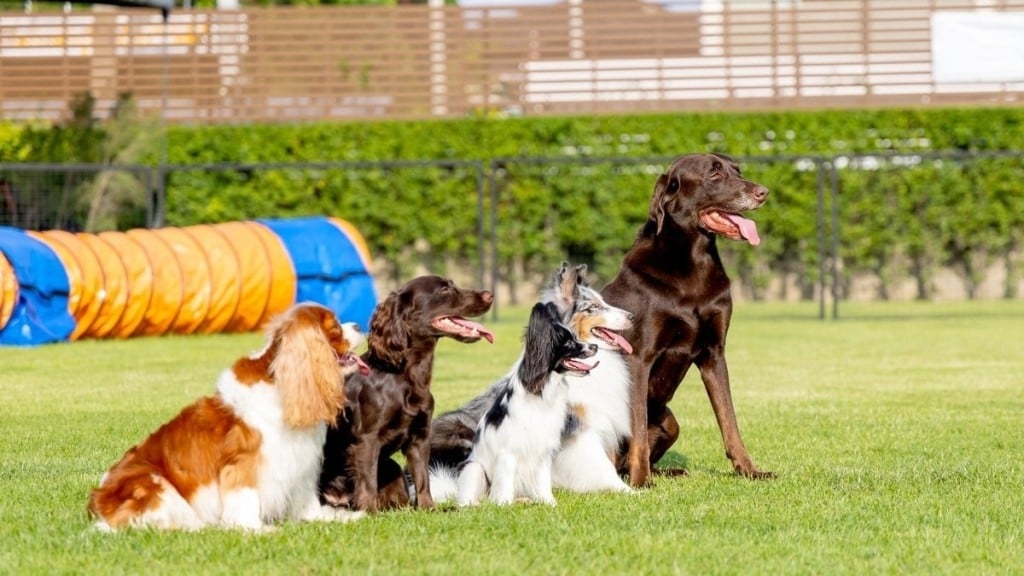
[(487, 296), (760, 193)]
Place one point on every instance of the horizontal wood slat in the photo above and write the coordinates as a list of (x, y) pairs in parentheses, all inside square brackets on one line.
[(413, 61)]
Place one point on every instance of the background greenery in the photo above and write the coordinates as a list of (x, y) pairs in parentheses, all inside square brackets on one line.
[(896, 438), (903, 216)]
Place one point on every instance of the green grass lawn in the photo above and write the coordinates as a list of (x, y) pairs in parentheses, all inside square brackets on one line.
[(896, 434)]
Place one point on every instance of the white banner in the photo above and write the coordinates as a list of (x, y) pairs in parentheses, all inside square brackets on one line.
[(978, 46)]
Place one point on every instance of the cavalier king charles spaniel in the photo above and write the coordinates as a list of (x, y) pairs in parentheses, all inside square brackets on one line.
[(251, 454)]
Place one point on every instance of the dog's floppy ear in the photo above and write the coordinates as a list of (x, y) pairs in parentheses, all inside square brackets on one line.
[(305, 370), (388, 338), (539, 350), (728, 160), (664, 189)]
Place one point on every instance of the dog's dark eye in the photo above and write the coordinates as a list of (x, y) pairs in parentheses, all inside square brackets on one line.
[(673, 185)]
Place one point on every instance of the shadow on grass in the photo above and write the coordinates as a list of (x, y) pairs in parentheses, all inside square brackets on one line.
[(673, 462)]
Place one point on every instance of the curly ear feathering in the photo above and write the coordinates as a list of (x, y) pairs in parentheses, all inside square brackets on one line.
[(250, 454), (388, 338)]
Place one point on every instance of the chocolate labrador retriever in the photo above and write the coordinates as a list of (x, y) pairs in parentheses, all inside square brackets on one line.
[(673, 281)]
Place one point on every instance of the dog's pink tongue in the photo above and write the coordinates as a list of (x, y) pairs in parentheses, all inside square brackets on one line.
[(748, 229), (364, 368), (619, 341), (484, 332)]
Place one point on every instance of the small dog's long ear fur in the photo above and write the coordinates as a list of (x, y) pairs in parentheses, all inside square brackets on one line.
[(539, 351), (305, 370), (388, 338)]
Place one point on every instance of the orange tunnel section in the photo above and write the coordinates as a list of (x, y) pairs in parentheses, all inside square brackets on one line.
[(228, 277)]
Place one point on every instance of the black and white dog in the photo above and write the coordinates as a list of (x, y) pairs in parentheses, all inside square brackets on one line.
[(518, 436), (600, 401)]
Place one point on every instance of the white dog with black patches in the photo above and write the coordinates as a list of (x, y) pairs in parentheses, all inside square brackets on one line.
[(520, 433)]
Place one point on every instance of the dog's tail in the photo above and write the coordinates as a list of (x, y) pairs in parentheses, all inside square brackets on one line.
[(444, 483)]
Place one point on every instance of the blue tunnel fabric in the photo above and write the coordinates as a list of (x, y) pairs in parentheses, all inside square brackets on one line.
[(40, 315), (328, 267)]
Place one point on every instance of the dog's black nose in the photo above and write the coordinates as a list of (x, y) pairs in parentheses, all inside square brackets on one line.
[(631, 317)]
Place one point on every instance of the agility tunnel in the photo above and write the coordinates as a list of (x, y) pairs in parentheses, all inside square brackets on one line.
[(232, 277)]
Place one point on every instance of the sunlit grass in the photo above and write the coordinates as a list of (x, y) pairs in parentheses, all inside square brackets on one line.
[(895, 432)]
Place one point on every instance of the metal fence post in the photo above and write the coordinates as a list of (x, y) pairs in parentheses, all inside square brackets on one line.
[(493, 183), (823, 165), (481, 235), (157, 205), (835, 239)]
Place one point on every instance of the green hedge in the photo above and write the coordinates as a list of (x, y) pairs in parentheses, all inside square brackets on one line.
[(898, 220)]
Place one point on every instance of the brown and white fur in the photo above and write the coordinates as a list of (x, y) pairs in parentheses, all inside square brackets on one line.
[(250, 455)]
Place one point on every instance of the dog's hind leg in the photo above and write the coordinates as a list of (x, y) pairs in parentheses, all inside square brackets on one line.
[(472, 484), (173, 512), (582, 465)]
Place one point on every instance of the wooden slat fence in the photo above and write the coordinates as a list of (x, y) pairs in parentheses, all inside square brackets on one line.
[(290, 64)]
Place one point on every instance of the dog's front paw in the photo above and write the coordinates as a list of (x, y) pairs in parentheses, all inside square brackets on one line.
[(640, 477), (748, 470), (507, 500), (256, 529), (755, 474), (336, 497), (622, 488), (344, 515)]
